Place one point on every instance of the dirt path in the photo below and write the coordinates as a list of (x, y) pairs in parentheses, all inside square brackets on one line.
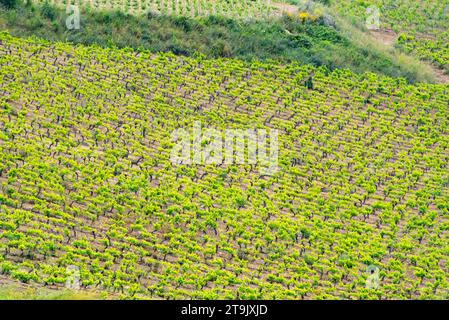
[(285, 7), (440, 75), (386, 37)]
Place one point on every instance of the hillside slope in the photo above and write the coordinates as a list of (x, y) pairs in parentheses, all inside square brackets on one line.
[(421, 27), (86, 178), (301, 37)]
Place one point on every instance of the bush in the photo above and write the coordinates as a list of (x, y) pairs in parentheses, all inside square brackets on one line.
[(9, 4), (48, 11), (221, 48), (103, 17), (35, 22)]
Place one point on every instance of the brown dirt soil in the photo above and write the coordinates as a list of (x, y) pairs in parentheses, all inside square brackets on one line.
[(285, 7), (21, 291), (440, 75), (386, 37)]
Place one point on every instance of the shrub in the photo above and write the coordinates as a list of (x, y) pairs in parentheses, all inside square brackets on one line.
[(48, 11), (9, 4), (221, 49)]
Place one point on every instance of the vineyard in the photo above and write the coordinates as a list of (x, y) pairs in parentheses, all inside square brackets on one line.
[(239, 9), (402, 15), (86, 178), (435, 50)]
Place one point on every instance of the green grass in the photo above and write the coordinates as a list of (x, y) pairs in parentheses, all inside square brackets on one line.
[(285, 40), (14, 292)]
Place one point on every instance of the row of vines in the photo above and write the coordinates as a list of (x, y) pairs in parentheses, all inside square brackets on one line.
[(240, 9), (86, 178)]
